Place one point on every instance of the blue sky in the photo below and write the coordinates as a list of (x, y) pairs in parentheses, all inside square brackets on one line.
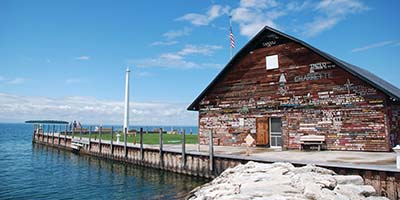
[(67, 59)]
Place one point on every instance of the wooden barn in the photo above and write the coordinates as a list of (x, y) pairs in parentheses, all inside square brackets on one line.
[(279, 89)]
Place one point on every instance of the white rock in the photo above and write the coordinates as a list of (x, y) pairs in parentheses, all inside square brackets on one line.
[(283, 181), (355, 191), (349, 179), (313, 168), (376, 198)]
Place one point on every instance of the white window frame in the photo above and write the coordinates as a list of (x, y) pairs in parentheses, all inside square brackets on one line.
[(271, 62)]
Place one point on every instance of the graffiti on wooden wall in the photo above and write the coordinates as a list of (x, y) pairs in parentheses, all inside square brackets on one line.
[(348, 94), (282, 88), (315, 76), (356, 89), (269, 43), (315, 73), (348, 112), (321, 66), (394, 121), (270, 40)]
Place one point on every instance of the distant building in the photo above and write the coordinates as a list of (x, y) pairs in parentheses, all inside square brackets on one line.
[(278, 88)]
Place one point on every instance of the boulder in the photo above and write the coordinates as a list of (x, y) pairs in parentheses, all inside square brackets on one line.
[(283, 181), (349, 179)]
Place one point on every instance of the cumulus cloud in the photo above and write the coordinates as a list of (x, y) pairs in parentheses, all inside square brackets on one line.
[(93, 111), (331, 12), (179, 59), (374, 45), (213, 13), (252, 15)]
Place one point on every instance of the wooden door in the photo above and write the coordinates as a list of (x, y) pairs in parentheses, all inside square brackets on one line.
[(262, 131)]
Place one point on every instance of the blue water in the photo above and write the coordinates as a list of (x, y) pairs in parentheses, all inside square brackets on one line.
[(30, 171)]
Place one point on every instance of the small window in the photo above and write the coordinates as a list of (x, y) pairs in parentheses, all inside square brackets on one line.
[(272, 62)]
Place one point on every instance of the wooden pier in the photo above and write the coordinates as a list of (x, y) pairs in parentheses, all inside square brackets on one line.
[(203, 164)]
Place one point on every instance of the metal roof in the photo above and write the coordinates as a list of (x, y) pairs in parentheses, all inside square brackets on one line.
[(46, 122), (377, 82)]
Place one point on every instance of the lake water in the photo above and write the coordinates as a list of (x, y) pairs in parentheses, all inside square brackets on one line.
[(30, 171)]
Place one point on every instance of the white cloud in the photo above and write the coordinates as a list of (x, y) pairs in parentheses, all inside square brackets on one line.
[(309, 17), (341, 7), (318, 25), (163, 43), (16, 81), (196, 19), (82, 58), (142, 74), (373, 46), (93, 111), (75, 80), (331, 12), (177, 33), (171, 35), (213, 13), (199, 49), (171, 61), (252, 16), (179, 59), (258, 3), (296, 6)]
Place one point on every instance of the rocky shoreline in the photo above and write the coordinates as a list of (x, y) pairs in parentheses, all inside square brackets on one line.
[(283, 181)]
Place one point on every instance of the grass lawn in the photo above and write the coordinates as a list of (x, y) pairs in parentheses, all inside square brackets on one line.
[(150, 138)]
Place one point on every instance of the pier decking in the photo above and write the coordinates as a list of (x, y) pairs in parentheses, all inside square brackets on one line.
[(377, 169)]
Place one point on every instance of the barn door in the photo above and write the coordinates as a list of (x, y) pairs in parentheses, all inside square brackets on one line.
[(262, 131)]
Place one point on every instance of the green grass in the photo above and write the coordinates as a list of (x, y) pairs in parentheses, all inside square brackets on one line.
[(150, 138)]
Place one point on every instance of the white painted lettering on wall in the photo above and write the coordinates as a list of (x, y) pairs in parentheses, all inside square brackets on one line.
[(269, 43), (321, 66), (313, 76)]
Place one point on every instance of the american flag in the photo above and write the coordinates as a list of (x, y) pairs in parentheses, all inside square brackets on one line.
[(231, 34), (232, 39)]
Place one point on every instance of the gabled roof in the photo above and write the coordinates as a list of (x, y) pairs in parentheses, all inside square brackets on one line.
[(382, 85)]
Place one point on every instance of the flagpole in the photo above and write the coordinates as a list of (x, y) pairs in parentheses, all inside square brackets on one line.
[(126, 111)]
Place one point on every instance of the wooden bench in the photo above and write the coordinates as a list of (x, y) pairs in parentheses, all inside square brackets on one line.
[(312, 140)]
